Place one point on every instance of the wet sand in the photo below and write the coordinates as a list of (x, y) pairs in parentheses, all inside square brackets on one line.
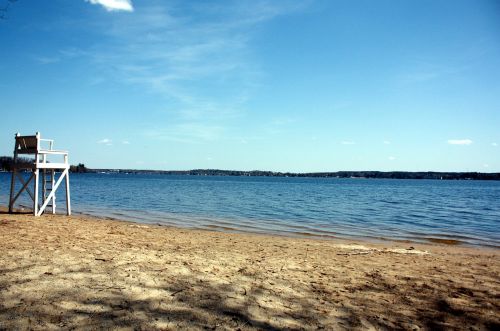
[(85, 273)]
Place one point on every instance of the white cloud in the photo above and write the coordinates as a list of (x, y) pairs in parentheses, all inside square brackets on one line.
[(459, 141), (47, 59), (189, 132), (171, 53), (114, 5), (126, 142), (486, 165), (387, 142), (348, 142), (106, 142), (422, 70), (392, 158), (494, 144)]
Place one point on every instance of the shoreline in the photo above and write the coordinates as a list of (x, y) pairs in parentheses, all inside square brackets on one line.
[(430, 239), (358, 242), (63, 272)]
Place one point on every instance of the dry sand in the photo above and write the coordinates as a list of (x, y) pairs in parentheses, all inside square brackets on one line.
[(74, 272)]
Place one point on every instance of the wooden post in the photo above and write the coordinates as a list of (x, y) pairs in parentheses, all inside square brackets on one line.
[(52, 183), (37, 141), (68, 200), (35, 199), (44, 180), (13, 180), (12, 186)]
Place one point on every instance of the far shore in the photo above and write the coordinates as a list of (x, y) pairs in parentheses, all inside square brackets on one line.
[(89, 273), (5, 162)]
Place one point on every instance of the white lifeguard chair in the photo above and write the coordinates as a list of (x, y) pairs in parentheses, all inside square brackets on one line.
[(42, 150)]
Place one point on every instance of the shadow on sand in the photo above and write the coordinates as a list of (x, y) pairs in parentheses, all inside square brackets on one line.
[(199, 304)]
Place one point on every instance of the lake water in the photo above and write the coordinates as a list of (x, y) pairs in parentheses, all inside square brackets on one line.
[(415, 210)]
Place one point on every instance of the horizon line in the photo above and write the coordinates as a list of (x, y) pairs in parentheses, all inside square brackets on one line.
[(297, 173)]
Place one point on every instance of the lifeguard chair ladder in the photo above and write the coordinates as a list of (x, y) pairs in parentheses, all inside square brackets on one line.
[(32, 145)]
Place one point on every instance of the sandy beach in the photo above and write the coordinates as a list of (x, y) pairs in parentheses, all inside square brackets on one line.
[(85, 273)]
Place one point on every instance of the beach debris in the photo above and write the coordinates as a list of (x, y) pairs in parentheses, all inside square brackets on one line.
[(355, 253), (103, 288), (102, 259), (406, 251), (176, 292), (139, 226), (363, 250)]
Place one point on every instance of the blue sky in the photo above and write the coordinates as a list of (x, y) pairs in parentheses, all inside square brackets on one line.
[(271, 85)]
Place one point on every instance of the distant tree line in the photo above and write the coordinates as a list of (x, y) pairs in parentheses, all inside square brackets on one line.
[(337, 174), (80, 168), (6, 164)]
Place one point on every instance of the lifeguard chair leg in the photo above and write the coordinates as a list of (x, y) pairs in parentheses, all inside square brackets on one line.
[(68, 200), (12, 186), (52, 183), (35, 198)]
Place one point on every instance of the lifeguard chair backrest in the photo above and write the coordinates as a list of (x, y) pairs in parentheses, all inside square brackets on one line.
[(27, 144)]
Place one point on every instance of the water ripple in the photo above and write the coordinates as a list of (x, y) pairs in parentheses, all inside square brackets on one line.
[(458, 212)]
